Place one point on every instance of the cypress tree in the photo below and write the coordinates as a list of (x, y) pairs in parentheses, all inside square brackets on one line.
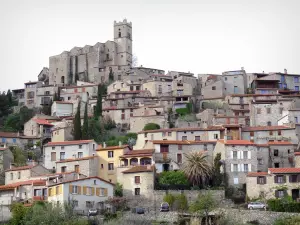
[(98, 110), (77, 124), (85, 128)]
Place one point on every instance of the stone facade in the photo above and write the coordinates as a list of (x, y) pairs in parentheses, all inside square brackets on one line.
[(137, 123), (265, 114)]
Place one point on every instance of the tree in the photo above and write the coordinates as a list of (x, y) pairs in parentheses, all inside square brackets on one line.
[(20, 159), (98, 110), (18, 213), (118, 190), (173, 178), (204, 204), (217, 176), (151, 126), (46, 109), (85, 127), (95, 130), (196, 168), (77, 124)]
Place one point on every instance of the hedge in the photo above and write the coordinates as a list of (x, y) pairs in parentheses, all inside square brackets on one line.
[(279, 205)]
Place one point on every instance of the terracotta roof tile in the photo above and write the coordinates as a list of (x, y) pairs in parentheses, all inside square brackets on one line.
[(112, 147), (257, 174), (280, 143), (43, 122), (297, 153), (284, 170), (27, 182), (3, 149), (77, 159), (236, 142), (84, 178), (144, 152), (183, 129), (266, 128), (69, 142), (139, 169), (187, 142), (20, 168), (9, 134)]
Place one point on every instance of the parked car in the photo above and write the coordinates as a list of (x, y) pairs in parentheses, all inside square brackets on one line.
[(257, 205), (92, 212), (140, 210), (164, 207)]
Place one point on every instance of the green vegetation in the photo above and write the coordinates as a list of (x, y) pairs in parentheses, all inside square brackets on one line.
[(173, 178), (197, 168), (129, 139), (118, 190), (286, 204), (85, 127), (20, 159), (204, 204), (185, 111), (98, 109), (151, 126), (293, 220), (176, 202), (217, 177), (77, 124)]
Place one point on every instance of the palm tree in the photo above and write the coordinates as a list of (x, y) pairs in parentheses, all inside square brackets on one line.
[(197, 168)]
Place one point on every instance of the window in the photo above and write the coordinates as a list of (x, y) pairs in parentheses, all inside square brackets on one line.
[(296, 119), (122, 116), (279, 193), (110, 166), (179, 147), (260, 162), (269, 123), (137, 191), (213, 88), (235, 89), (246, 168), (270, 132), (216, 136), (53, 148), (225, 78), (236, 180), (75, 203), (184, 138), (251, 134), (258, 111), (276, 152), (74, 189), (14, 140), (197, 138), (235, 167), (63, 169), (137, 179), (296, 79), (293, 178), (276, 165), (296, 88), (268, 110), (164, 148), (110, 154), (280, 111), (80, 154), (102, 166), (245, 154), (76, 168), (205, 147), (89, 190), (261, 180), (145, 135), (89, 204), (234, 154), (62, 156), (280, 179), (179, 158), (80, 146), (53, 156), (62, 147)]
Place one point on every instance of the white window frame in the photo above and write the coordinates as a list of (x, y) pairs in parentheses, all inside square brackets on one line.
[(74, 189)]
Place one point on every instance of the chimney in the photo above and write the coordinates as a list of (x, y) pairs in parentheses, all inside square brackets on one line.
[(285, 71), (104, 145)]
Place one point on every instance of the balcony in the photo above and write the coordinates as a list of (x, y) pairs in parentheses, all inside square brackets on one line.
[(162, 157)]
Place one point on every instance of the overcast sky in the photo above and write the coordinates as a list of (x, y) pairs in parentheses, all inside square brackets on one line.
[(201, 36)]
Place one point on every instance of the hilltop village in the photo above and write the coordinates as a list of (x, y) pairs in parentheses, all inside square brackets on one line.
[(93, 122)]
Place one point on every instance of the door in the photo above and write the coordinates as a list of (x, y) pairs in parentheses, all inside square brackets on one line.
[(295, 194)]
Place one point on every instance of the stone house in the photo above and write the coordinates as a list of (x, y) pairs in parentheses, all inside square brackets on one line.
[(123, 85), (19, 94), (9, 139), (31, 93), (83, 193), (87, 166), (6, 158), (169, 155), (38, 127), (84, 92), (227, 120), (276, 183), (138, 182), (239, 157), (157, 88), (137, 123), (44, 95), (297, 159), (62, 133), (108, 161), (24, 173), (179, 88), (212, 87), (264, 134), (136, 157), (58, 151)]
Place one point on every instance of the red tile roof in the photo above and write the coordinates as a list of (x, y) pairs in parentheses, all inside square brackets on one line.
[(297, 153), (77, 159), (80, 179), (187, 142), (266, 128), (69, 142), (139, 169), (284, 170), (257, 174), (27, 182), (20, 168), (280, 143), (236, 142), (138, 153), (112, 147), (43, 122), (9, 134), (183, 129), (3, 149)]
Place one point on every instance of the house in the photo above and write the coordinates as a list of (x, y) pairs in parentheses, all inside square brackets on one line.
[(162, 86), (265, 134), (6, 158), (276, 183), (9, 139), (87, 166), (138, 183), (24, 173), (62, 108), (136, 157), (58, 151), (83, 193), (238, 157), (169, 155), (109, 160), (38, 127), (62, 132)]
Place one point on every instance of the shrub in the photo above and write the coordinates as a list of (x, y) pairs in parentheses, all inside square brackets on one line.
[(151, 126), (170, 199), (182, 111), (173, 178), (283, 205), (295, 220), (180, 202)]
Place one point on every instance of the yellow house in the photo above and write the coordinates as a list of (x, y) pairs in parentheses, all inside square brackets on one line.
[(109, 161)]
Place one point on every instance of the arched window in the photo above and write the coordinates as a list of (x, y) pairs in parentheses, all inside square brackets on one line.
[(119, 33)]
